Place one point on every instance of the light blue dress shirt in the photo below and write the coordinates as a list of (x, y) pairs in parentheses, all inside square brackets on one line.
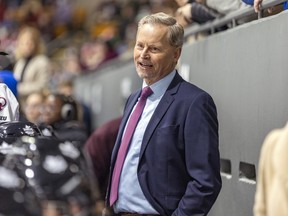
[(130, 197)]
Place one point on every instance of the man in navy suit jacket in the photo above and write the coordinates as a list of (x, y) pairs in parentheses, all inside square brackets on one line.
[(172, 165)]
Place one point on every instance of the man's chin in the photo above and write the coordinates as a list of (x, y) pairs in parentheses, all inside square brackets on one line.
[(143, 75)]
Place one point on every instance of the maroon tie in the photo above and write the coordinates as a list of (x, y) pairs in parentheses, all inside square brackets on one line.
[(146, 92)]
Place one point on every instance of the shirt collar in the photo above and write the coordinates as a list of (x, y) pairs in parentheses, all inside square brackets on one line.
[(161, 86)]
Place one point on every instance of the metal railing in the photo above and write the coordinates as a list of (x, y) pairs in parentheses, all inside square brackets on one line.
[(230, 19)]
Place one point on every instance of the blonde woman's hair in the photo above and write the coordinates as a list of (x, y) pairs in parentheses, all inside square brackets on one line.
[(36, 38)]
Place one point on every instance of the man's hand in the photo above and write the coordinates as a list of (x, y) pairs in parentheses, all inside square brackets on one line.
[(185, 11), (257, 4), (183, 15)]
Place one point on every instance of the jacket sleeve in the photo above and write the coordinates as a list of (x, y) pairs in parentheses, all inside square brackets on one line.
[(201, 157), (201, 13)]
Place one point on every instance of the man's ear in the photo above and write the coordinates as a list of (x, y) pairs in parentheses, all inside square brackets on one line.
[(177, 54)]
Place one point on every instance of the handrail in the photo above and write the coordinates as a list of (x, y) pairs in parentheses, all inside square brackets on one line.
[(229, 18)]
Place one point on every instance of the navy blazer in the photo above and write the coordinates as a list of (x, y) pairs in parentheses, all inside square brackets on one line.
[(179, 165)]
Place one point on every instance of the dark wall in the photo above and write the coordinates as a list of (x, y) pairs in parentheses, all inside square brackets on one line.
[(246, 71)]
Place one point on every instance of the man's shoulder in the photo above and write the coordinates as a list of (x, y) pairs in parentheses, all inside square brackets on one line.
[(186, 87), (190, 90)]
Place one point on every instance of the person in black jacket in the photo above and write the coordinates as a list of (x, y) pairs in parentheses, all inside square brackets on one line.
[(190, 11)]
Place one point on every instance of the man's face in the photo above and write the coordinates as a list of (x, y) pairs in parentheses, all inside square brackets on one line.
[(154, 57)]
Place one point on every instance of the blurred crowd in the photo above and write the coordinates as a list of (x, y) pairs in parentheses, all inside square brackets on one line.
[(79, 40), (50, 42)]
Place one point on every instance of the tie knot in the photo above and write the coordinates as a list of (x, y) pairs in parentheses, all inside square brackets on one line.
[(146, 92)]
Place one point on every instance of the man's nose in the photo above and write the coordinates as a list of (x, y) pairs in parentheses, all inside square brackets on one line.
[(144, 53)]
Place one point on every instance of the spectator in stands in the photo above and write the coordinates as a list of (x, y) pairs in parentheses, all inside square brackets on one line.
[(66, 67), (99, 147), (29, 12), (95, 53), (271, 196), (202, 11), (225, 6), (34, 107), (60, 113), (67, 89), (32, 68), (194, 11), (71, 63)]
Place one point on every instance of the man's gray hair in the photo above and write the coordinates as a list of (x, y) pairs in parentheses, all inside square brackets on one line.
[(176, 31)]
